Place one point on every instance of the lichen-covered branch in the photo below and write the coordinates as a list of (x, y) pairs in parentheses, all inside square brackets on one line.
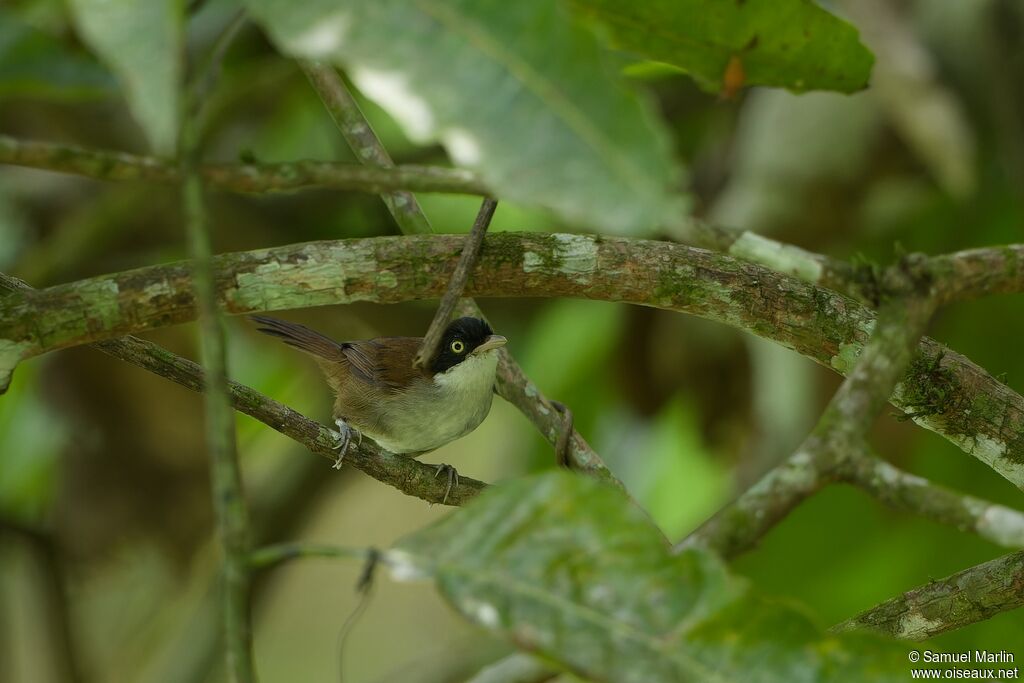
[(247, 178), (974, 273), (964, 598), (960, 276), (904, 491), (840, 431), (943, 391), (856, 282)]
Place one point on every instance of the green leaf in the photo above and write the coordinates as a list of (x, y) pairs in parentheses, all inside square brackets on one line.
[(567, 567), (792, 44), (35, 64), (517, 91), (140, 40)]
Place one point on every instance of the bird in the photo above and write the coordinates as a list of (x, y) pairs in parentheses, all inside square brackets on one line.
[(380, 394)]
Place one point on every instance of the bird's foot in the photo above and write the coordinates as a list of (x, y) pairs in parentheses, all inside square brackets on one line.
[(453, 479), (343, 439)]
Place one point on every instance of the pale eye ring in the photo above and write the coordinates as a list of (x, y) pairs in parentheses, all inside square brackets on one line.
[(458, 346)]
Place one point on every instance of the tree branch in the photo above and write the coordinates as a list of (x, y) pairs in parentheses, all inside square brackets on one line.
[(981, 271), (245, 178), (943, 390), (959, 276), (858, 283), (405, 474), (840, 432), (364, 143), (904, 491), (964, 598)]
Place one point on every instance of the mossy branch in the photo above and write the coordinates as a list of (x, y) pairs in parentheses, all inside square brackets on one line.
[(964, 403), (256, 178), (959, 600)]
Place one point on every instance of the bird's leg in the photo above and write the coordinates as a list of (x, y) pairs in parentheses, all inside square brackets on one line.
[(343, 439), (453, 479)]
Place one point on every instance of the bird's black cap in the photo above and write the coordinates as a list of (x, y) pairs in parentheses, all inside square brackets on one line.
[(459, 339)]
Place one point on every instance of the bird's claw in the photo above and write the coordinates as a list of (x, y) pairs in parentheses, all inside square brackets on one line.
[(453, 479), (343, 439)]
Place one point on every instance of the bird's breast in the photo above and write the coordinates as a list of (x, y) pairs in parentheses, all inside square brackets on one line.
[(437, 411)]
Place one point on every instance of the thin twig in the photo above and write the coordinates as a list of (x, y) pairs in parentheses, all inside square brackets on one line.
[(457, 284), (271, 555), (262, 178), (965, 598), (229, 502), (207, 73), (904, 491), (364, 143)]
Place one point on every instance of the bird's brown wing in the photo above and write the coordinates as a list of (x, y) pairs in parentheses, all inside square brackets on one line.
[(362, 360), (365, 360)]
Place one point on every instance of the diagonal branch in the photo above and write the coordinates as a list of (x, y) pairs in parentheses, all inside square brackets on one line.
[(964, 598), (457, 283), (405, 474), (904, 491), (944, 391), (839, 435), (356, 130)]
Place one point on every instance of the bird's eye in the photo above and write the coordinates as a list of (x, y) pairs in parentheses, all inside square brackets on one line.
[(458, 346)]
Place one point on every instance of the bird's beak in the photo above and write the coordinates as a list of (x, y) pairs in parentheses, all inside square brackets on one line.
[(492, 342)]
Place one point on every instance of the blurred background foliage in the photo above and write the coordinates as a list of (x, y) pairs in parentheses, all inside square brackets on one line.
[(103, 484)]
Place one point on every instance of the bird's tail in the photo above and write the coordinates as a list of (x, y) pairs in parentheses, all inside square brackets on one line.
[(299, 336)]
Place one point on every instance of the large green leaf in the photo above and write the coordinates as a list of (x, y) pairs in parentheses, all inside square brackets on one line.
[(567, 567), (141, 42), (792, 44), (517, 91), (35, 64)]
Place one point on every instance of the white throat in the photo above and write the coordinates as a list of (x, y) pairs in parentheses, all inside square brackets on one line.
[(472, 377)]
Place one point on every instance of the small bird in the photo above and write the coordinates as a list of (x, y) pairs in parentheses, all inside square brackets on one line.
[(406, 410)]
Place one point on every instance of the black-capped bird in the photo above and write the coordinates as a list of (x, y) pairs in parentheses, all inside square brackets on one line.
[(406, 410)]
